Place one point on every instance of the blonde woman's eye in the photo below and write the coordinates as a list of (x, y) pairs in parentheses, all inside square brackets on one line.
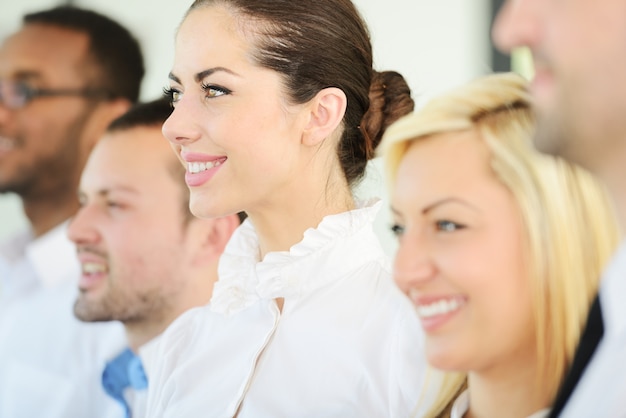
[(397, 230), (448, 226)]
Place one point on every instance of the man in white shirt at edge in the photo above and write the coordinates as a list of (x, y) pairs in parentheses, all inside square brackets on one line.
[(145, 258), (579, 89), (64, 75)]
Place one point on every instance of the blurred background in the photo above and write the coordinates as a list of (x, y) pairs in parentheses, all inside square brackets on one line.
[(436, 45)]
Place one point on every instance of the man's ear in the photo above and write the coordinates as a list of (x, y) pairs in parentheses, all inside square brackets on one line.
[(103, 114), (327, 109), (214, 235)]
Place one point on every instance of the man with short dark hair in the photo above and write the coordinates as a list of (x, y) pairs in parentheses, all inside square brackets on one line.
[(64, 75), (145, 258), (579, 90)]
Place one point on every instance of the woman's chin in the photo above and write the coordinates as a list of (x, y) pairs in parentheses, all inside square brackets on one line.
[(445, 358), (205, 207)]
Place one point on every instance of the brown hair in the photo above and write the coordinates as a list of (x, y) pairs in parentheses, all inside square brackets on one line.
[(315, 44)]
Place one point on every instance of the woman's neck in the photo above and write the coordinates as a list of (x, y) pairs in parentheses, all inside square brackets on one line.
[(282, 225), (506, 391), (317, 188)]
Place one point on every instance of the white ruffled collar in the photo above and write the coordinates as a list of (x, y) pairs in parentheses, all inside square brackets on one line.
[(244, 279)]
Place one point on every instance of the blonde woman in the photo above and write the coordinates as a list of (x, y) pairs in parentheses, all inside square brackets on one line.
[(501, 248)]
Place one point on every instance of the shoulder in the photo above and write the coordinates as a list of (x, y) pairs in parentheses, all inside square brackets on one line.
[(205, 349), (408, 366), (175, 340), (175, 343), (12, 247)]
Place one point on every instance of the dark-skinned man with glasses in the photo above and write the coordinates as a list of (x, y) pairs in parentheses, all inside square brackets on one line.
[(64, 75)]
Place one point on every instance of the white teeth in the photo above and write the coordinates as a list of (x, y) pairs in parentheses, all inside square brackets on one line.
[(440, 307), (93, 268), (195, 168)]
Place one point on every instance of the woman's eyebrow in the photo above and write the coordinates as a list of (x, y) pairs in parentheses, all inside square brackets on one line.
[(449, 200), (205, 73), (172, 77), (202, 74)]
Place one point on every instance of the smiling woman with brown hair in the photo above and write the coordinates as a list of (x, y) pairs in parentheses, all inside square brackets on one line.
[(276, 112)]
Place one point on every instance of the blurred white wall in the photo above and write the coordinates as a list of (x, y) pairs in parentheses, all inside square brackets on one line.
[(436, 45)]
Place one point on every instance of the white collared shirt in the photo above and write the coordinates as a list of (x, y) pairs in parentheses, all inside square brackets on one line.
[(461, 406), (50, 363), (149, 358), (347, 343), (601, 392)]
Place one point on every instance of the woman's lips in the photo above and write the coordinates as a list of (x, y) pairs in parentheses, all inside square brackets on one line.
[(434, 311), (201, 167)]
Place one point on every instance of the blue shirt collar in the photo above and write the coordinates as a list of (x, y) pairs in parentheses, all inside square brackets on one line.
[(124, 371)]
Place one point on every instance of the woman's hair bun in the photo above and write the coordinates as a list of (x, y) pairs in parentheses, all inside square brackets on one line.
[(390, 99)]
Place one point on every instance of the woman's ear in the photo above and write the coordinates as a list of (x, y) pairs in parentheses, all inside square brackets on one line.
[(327, 109)]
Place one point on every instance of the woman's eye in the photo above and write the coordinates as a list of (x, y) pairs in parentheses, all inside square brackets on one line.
[(111, 204), (173, 95), (212, 91), (397, 230), (448, 226)]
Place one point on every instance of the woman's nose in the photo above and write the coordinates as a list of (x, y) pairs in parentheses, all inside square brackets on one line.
[(181, 128), (413, 265)]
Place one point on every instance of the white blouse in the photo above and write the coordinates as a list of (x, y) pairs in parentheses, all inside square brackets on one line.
[(347, 343), (461, 406)]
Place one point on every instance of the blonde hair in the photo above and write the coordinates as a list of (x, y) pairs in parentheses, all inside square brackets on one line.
[(569, 224)]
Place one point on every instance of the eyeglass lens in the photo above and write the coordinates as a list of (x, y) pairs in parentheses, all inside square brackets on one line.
[(13, 94)]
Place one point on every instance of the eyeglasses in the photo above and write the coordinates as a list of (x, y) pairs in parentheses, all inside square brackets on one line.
[(17, 94)]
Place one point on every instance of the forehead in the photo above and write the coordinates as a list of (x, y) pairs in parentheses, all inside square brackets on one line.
[(445, 165), (447, 155), (138, 157), (212, 36), (454, 167), (44, 51)]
